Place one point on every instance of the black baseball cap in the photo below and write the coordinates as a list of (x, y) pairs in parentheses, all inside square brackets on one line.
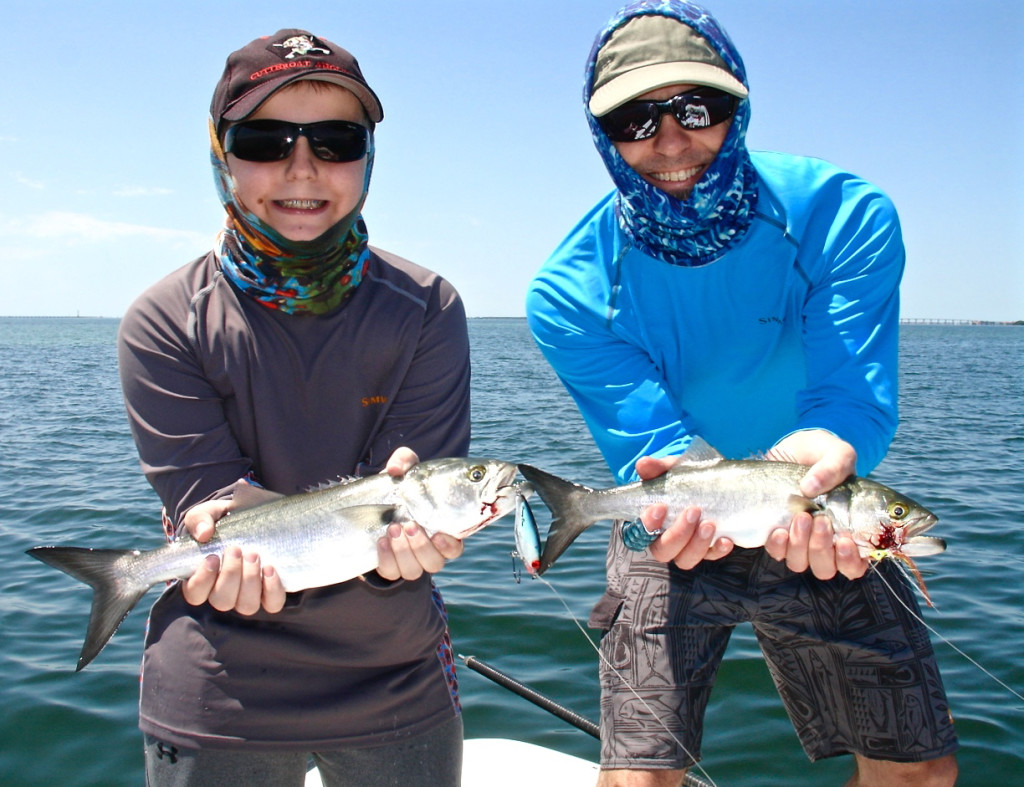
[(262, 67)]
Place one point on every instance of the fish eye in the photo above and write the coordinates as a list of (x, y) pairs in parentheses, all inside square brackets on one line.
[(898, 511), (476, 473)]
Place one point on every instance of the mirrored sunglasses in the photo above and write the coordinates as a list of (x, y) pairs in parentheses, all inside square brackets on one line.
[(637, 120), (274, 140)]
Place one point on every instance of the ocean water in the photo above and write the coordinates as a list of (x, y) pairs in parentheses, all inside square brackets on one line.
[(68, 474)]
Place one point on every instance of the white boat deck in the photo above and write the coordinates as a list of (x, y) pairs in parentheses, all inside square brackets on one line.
[(499, 762)]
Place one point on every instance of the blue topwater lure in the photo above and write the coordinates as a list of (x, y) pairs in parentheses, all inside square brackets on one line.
[(526, 532)]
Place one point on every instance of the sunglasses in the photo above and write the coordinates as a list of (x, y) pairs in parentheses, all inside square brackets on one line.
[(638, 120), (274, 140)]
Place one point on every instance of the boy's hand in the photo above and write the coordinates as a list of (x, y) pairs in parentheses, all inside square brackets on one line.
[(239, 582), (406, 552)]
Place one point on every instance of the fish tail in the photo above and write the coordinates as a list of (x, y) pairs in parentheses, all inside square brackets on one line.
[(563, 499), (112, 599)]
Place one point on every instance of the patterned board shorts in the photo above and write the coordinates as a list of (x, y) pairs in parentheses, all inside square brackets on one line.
[(854, 668)]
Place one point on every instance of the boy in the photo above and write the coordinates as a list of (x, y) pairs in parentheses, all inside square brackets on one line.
[(292, 354)]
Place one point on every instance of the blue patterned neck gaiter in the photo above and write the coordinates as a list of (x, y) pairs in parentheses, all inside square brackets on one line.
[(717, 214), (297, 277)]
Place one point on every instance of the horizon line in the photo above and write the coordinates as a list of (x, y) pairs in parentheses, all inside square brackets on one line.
[(902, 320)]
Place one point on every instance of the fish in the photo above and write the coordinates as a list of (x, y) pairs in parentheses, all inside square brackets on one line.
[(527, 534), (746, 499), (312, 539)]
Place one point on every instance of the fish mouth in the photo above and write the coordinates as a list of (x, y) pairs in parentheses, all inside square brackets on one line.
[(524, 488), (504, 502), (918, 526), (471, 530), (922, 546)]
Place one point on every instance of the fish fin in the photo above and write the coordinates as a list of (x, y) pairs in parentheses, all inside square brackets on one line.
[(699, 452), (112, 597), (562, 498), (775, 454), (923, 546), (373, 515), (247, 496), (341, 480), (798, 504)]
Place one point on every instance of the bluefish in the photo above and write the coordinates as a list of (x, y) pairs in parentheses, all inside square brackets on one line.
[(312, 539), (746, 500)]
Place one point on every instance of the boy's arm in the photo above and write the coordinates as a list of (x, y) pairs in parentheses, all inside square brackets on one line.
[(429, 418), (189, 455), (430, 413)]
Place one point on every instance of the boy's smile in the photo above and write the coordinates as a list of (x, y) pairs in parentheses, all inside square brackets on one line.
[(302, 196)]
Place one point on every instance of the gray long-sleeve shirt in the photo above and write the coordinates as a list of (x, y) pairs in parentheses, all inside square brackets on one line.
[(218, 387)]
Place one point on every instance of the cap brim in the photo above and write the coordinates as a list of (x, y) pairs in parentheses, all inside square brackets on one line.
[(642, 80), (252, 100)]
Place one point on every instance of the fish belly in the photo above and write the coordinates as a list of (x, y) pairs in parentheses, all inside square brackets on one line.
[(307, 549), (750, 529), (328, 561), (744, 506)]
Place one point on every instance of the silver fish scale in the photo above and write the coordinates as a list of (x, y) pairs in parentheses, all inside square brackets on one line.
[(745, 503)]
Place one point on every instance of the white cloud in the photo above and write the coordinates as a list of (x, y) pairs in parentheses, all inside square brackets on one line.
[(28, 182), (141, 191), (81, 228)]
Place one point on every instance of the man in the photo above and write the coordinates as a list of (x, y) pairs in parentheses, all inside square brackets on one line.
[(751, 299)]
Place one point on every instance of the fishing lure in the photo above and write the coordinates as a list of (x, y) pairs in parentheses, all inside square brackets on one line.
[(526, 533)]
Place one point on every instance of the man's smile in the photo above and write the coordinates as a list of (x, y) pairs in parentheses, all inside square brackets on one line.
[(676, 176)]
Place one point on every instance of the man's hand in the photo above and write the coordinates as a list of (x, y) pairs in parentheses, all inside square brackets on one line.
[(809, 542), (406, 552), (689, 539), (238, 582)]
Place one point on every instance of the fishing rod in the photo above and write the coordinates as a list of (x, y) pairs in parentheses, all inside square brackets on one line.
[(505, 680)]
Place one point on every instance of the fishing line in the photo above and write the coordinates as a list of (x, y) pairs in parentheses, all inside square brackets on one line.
[(937, 634), (643, 702)]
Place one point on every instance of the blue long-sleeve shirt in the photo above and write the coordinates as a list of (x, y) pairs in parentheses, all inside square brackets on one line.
[(796, 327)]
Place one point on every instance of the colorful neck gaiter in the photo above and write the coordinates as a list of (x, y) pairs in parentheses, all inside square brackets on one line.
[(297, 277), (717, 214)]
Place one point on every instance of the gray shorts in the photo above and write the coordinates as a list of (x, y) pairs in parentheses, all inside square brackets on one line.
[(854, 668), (433, 759)]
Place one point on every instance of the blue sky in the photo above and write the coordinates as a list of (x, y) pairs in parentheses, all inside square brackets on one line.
[(484, 158)]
